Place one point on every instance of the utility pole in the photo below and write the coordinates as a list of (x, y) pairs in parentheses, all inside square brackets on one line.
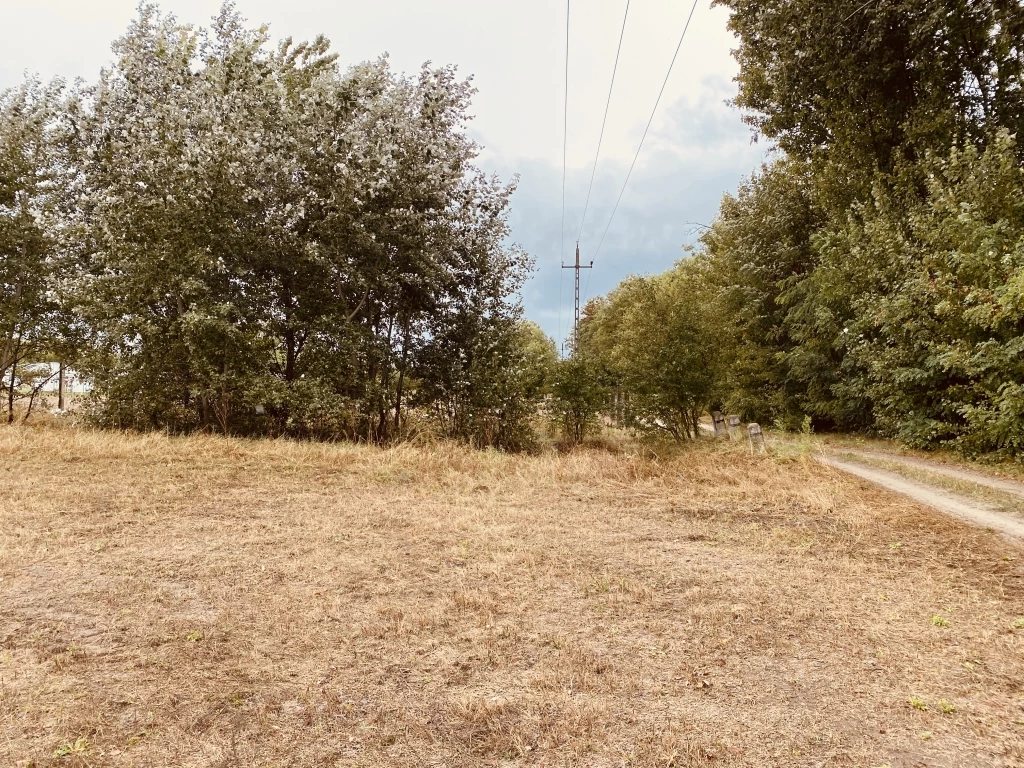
[(576, 268)]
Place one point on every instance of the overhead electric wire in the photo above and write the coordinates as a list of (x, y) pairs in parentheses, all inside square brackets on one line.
[(651, 120), (565, 140), (608, 103)]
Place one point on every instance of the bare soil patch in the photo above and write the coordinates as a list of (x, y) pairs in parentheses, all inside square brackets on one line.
[(204, 601)]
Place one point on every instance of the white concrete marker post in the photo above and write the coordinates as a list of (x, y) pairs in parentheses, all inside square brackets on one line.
[(734, 423), (756, 438), (719, 420)]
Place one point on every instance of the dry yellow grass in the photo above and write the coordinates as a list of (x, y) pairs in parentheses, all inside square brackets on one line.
[(215, 602)]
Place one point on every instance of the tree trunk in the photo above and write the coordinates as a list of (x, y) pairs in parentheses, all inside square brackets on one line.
[(9, 344), (222, 406), (32, 398), (289, 355), (10, 391), (401, 377), (383, 401)]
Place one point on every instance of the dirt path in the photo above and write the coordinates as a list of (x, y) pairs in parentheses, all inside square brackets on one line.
[(979, 478), (958, 506)]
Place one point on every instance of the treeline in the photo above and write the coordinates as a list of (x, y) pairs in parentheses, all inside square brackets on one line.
[(871, 276), (233, 236)]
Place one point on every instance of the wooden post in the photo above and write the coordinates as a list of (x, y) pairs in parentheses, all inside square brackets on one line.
[(60, 387)]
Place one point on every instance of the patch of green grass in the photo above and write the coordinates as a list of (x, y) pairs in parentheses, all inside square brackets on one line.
[(946, 708), (194, 636), (1019, 623), (939, 621), (79, 746), (918, 703)]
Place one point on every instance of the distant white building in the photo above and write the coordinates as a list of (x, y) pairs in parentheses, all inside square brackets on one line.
[(73, 383)]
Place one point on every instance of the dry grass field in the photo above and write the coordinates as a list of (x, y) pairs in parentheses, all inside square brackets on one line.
[(216, 602)]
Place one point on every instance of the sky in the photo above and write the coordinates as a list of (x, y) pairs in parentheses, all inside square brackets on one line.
[(696, 150)]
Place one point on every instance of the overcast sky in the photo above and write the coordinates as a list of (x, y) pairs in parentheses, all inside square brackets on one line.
[(696, 150)]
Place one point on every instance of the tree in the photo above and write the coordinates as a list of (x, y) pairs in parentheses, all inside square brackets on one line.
[(274, 245), (938, 306), (33, 324), (656, 338), (843, 266), (758, 250), (871, 84), (577, 396)]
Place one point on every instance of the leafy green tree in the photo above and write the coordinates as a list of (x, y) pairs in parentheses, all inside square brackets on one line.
[(871, 84), (938, 322), (511, 389), (483, 381), (33, 323), (657, 338), (758, 251), (166, 184), (841, 266), (275, 245), (577, 397)]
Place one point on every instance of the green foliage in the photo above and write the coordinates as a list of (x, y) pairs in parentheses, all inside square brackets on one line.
[(934, 285), (655, 340), (871, 278), (33, 174), (577, 397), (491, 395), (233, 236), (868, 85), (266, 244), (79, 746), (757, 250)]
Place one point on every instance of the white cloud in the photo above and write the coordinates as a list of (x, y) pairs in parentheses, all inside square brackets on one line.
[(699, 152)]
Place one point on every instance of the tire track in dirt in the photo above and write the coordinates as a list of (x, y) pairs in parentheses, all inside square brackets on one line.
[(1011, 487), (941, 500)]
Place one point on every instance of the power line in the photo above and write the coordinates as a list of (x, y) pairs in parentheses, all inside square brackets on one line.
[(560, 304), (651, 120), (565, 140), (608, 103)]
